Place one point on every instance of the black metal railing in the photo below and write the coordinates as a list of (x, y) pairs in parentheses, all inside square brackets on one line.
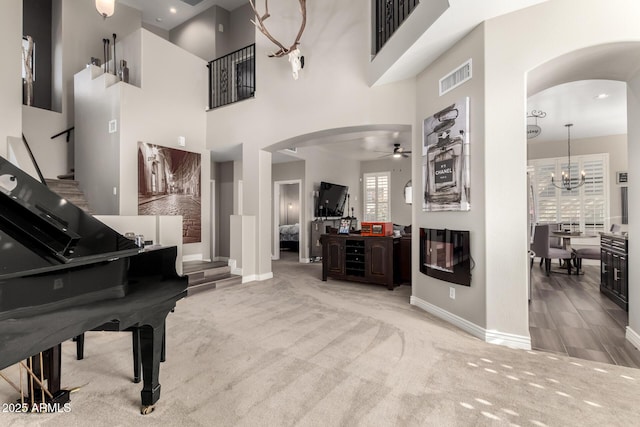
[(389, 15), (232, 77)]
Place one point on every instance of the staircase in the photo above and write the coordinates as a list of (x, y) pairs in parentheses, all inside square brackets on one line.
[(69, 190), (205, 275)]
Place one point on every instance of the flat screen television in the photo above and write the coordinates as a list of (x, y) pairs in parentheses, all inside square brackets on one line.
[(332, 199)]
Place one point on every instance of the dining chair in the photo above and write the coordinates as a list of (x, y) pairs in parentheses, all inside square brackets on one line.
[(542, 247)]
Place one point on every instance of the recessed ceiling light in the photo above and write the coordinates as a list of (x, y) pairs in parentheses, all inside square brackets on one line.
[(159, 19), (173, 10), (601, 96)]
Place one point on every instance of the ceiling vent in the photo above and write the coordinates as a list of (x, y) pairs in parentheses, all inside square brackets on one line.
[(291, 150), (455, 78), (192, 2)]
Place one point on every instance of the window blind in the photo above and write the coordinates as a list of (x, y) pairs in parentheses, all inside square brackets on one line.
[(585, 208), (376, 196)]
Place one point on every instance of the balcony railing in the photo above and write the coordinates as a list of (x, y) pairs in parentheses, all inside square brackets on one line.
[(232, 77), (389, 15)]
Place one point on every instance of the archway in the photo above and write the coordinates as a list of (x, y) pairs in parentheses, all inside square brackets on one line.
[(612, 61)]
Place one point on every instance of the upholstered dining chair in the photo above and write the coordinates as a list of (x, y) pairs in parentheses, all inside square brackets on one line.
[(542, 248)]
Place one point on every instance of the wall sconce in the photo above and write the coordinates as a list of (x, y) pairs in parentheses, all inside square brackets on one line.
[(408, 193), (105, 7)]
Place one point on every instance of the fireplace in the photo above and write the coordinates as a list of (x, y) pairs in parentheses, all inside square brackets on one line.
[(444, 254)]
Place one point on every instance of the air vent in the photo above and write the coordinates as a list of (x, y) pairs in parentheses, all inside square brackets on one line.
[(192, 2), (455, 78), (291, 150)]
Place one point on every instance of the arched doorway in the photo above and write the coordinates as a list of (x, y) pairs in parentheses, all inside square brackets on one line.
[(576, 325)]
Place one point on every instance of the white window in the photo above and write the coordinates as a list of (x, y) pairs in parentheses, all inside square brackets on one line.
[(585, 208), (377, 206)]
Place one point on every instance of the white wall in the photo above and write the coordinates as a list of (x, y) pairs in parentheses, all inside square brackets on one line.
[(198, 35), (82, 32), (170, 104), (514, 45), (633, 129), (10, 74), (469, 303), (614, 145), (78, 32), (331, 92)]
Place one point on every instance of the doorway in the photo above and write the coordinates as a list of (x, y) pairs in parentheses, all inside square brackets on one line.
[(567, 313), (287, 229)]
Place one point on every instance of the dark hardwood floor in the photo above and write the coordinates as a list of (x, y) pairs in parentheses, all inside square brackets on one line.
[(569, 315)]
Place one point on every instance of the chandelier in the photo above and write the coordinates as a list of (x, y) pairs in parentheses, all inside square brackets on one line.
[(566, 177)]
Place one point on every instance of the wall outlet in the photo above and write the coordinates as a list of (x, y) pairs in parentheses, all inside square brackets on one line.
[(182, 141), (113, 126), (452, 293)]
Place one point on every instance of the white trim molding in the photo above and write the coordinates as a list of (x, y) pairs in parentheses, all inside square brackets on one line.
[(256, 277), (192, 257), (234, 270), (633, 337), (491, 337)]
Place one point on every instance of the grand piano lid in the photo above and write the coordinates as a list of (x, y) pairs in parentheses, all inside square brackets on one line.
[(41, 231)]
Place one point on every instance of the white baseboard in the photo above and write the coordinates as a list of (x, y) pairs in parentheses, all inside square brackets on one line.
[(249, 278), (265, 276), (192, 257), (633, 337), (257, 277), (492, 337), (234, 270)]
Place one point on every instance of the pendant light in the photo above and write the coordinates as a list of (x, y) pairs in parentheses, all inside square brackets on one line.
[(566, 177), (105, 7)]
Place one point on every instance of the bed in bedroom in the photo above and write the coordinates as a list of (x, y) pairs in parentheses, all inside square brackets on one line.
[(289, 236)]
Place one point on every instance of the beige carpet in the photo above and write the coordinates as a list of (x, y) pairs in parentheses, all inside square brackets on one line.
[(298, 351)]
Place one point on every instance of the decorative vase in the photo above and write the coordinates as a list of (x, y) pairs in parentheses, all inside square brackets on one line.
[(124, 71)]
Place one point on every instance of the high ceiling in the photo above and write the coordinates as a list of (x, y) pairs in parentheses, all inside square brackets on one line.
[(158, 12), (572, 102)]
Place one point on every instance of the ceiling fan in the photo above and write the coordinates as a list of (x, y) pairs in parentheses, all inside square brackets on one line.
[(398, 152)]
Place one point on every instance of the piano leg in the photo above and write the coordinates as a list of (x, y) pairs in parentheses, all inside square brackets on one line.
[(151, 335), (79, 346), (135, 336)]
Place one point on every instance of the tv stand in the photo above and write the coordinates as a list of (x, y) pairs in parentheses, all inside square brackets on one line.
[(367, 259)]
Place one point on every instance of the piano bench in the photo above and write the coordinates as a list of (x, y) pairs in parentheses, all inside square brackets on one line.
[(135, 337)]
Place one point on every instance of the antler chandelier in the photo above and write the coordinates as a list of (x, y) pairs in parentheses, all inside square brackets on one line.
[(566, 183)]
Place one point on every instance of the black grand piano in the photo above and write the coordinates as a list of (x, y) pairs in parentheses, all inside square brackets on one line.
[(63, 272)]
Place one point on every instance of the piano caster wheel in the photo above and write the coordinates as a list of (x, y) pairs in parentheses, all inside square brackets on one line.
[(147, 409), (136, 380)]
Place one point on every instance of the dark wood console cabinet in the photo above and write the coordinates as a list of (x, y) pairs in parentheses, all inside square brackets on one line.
[(360, 258), (614, 274)]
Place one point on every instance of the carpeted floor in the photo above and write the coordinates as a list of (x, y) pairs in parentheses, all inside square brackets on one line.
[(294, 350)]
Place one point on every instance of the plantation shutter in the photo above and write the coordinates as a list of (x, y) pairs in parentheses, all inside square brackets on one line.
[(376, 196), (585, 208)]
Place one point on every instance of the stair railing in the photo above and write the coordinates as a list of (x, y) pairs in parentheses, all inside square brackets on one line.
[(67, 131), (33, 160)]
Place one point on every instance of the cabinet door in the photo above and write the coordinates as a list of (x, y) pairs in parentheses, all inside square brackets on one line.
[(379, 261), (616, 282), (623, 277), (335, 258), (606, 269)]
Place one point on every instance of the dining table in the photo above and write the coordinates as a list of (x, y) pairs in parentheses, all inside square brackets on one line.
[(567, 236)]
